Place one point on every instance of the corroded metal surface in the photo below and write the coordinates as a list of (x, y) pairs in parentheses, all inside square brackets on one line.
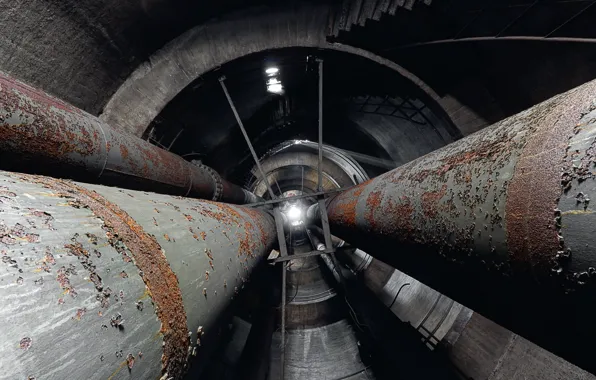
[(103, 283), (44, 135), (500, 220)]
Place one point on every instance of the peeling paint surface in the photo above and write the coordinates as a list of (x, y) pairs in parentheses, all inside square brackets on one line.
[(500, 221), (84, 317), (63, 316)]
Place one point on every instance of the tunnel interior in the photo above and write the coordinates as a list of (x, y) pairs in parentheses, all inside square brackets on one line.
[(210, 143), (368, 109), (374, 120)]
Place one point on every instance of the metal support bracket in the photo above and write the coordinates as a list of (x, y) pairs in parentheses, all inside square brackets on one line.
[(325, 223)]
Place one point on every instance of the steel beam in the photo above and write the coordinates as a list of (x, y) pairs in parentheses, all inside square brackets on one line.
[(501, 221), (103, 283), (42, 135)]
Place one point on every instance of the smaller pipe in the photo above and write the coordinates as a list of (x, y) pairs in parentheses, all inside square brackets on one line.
[(317, 232), (43, 135), (295, 198), (315, 241), (491, 39)]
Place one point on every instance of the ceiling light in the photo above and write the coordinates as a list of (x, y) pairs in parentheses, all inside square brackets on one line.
[(271, 71), (275, 88), (294, 213)]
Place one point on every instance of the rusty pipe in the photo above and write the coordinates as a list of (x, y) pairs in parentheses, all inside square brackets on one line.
[(500, 221), (43, 135), (99, 282)]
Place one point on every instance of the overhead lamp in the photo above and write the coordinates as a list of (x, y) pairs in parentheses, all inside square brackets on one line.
[(275, 88), (294, 215), (271, 70)]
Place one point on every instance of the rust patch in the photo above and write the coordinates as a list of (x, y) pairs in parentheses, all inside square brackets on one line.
[(159, 278), (534, 191), (63, 278), (430, 201), (420, 176), (46, 218), (229, 217), (401, 215), (208, 253), (124, 151), (373, 201), (39, 128), (344, 205), (7, 82), (25, 343), (79, 314)]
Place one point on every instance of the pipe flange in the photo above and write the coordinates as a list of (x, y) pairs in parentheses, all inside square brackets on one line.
[(218, 192)]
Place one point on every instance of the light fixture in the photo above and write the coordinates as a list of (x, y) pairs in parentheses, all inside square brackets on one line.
[(275, 88), (273, 83), (294, 214)]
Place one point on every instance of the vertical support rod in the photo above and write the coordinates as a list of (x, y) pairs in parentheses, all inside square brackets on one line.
[(281, 237), (283, 320), (325, 223), (320, 168), (252, 150), (175, 139)]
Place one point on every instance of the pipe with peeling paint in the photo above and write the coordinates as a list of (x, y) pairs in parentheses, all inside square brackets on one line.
[(43, 135), (501, 221), (102, 283)]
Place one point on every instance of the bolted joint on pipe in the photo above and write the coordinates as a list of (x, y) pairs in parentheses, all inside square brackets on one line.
[(43, 135), (130, 283)]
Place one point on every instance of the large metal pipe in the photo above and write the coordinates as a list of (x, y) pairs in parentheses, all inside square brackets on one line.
[(500, 221), (102, 283), (42, 135)]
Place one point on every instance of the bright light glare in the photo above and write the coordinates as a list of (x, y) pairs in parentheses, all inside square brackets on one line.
[(275, 88), (273, 81), (272, 70), (294, 213)]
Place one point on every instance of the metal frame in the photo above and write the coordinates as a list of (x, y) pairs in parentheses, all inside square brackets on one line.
[(320, 195), (296, 197), (279, 226), (302, 255)]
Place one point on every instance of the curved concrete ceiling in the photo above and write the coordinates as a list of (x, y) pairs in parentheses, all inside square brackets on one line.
[(156, 82)]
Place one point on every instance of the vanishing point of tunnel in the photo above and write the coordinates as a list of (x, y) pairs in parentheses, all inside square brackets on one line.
[(264, 190)]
